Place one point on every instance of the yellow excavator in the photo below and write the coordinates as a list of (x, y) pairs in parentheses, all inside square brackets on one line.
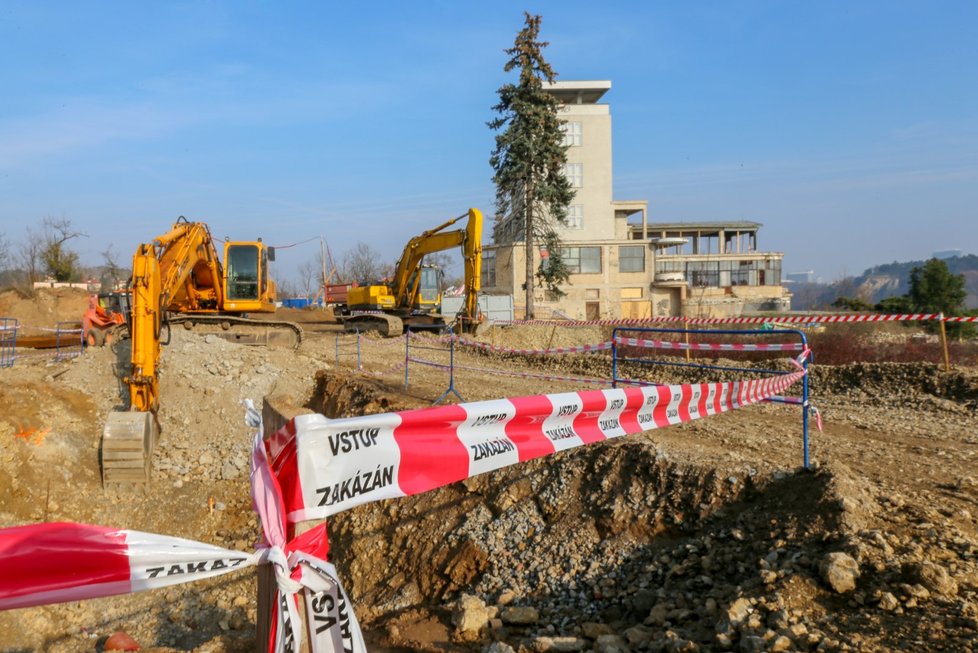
[(179, 278), (412, 298)]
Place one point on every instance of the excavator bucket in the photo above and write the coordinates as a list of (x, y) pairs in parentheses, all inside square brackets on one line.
[(128, 442)]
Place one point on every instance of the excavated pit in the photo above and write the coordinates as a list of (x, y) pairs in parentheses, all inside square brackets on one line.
[(615, 533), (696, 537)]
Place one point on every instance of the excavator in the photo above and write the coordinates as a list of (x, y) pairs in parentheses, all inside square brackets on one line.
[(179, 278), (412, 298)]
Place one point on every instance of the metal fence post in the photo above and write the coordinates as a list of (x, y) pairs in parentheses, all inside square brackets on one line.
[(407, 356), (614, 357), (451, 373), (8, 341), (947, 357)]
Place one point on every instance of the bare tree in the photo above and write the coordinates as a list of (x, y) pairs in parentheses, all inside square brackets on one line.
[(288, 288), (4, 253), (112, 272), (59, 261), (309, 277), (29, 259), (445, 262), (362, 264)]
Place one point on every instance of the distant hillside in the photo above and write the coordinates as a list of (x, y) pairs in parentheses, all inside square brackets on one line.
[(878, 283)]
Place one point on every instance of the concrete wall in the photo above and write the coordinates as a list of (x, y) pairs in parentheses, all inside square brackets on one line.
[(594, 154)]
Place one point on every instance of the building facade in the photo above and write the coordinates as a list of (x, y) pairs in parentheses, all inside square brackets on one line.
[(623, 266)]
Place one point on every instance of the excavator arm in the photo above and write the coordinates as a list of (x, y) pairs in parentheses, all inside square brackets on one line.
[(406, 279), (179, 276), (179, 266), (391, 307)]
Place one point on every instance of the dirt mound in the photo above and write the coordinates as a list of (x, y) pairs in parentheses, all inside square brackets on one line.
[(624, 541), (46, 308), (699, 537)]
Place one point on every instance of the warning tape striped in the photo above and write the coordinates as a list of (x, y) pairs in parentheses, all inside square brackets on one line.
[(786, 319), (708, 346), (327, 466), (314, 467)]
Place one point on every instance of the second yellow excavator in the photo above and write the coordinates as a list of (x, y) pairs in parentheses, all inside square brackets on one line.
[(179, 278), (412, 298)]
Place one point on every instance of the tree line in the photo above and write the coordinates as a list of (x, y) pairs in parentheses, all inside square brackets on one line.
[(45, 253)]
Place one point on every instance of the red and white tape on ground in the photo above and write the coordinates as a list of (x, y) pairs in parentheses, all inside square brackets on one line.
[(709, 346), (52, 563), (786, 319), (326, 466), (42, 563)]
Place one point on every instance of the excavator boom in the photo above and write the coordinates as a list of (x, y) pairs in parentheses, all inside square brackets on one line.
[(403, 302), (178, 277)]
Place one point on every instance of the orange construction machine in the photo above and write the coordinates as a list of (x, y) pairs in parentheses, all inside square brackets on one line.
[(179, 278)]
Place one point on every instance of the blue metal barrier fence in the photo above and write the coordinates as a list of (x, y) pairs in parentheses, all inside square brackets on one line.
[(341, 351), (8, 341)]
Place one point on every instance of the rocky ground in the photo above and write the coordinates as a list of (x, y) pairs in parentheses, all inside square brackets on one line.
[(702, 537)]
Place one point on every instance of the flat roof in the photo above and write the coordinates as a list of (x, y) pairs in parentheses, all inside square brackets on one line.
[(579, 91), (740, 225)]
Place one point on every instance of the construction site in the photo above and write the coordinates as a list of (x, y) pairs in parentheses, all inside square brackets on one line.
[(705, 535)]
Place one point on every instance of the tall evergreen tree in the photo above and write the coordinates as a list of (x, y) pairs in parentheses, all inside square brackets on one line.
[(933, 289), (530, 156)]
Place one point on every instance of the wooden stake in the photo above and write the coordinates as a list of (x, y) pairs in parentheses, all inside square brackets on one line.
[(947, 357), (276, 411), (689, 353)]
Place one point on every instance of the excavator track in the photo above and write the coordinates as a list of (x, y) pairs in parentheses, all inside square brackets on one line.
[(244, 330), (389, 326)]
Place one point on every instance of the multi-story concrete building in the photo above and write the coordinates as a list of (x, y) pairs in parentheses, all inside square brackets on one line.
[(621, 264)]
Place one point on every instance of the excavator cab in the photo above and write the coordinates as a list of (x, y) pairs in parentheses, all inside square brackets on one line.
[(428, 297), (246, 284)]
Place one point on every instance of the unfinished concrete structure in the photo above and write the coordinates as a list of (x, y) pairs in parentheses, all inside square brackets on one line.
[(623, 266)]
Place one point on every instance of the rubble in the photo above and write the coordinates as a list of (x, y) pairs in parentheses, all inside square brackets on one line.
[(702, 537)]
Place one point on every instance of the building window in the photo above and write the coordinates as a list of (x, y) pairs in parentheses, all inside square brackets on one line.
[(573, 134), (772, 276), (703, 274), (631, 258), (575, 216), (740, 275), (582, 260), (575, 174), (487, 276)]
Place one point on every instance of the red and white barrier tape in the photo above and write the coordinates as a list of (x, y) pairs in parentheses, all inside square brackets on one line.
[(315, 467), (58, 562), (786, 319), (326, 466), (708, 346)]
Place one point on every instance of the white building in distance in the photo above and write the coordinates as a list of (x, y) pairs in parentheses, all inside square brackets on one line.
[(622, 265)]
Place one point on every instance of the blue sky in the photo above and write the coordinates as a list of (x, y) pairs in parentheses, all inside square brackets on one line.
[(849, 129)]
